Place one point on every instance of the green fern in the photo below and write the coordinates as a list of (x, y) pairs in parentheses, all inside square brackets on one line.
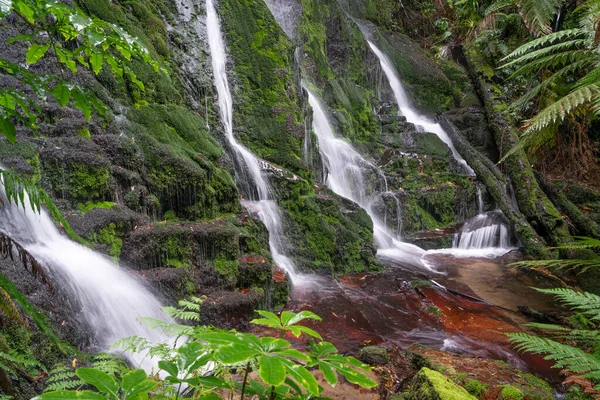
[(14, 361), (110, 364), (62, 377), (586, 303), (564, 356)]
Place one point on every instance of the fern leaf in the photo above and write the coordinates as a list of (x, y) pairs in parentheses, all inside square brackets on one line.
[(498, 5), (9, 308), (546, 51), (168, 328), (132, 344), (538, 14), (568, 34), (564, 356), (189, 305), (557, 111), (585, 302)]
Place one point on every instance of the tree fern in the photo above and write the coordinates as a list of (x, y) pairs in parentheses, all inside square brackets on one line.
[(547, 40)]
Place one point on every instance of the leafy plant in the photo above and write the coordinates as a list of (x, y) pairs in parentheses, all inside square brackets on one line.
[(578, 264), (210, 359), (73, 40), (584, 360)]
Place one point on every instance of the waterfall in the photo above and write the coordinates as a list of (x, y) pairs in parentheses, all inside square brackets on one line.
[(348, 174), (260, 200), (406, 109), (485, 230), (109, 298)]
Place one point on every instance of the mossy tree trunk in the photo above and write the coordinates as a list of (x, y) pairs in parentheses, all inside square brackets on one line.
[(533, 203), (495, 183)]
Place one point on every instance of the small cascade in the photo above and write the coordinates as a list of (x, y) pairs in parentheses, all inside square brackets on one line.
[(483, 231), (109, 299), (348, 174), (249, 176), (486, 230)]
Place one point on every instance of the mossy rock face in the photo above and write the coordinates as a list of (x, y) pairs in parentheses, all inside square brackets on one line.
[(329, 234), (432, 385), (267, 118), (373, 355)]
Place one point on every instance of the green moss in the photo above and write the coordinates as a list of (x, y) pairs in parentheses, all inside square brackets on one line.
[(432, 385), (475, 387), (109, 236), (511, 393), (227, 268), (267, 118), (84, 132), (434, 310), (78, 182), (176, 251), (84, 208)]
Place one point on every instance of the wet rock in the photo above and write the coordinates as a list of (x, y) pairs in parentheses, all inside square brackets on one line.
[(432, 385), (373, 355), (230, 310), (98, 218)]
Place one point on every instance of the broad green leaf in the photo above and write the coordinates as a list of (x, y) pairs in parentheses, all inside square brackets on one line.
[(7, 128), (96, 60), (99, 379), (35, 52), (297, 330), (210, 396), (62, 93), (235, 353), (303, 315), (21, 37), (25, 10), (328, 373), (293, 353), (168, 367), (135, 383), (71, 394), (218, 338), (210, 382), (302, 377), (272, 370), (80, 21), (7, 100), (81, 102), (272, 344)]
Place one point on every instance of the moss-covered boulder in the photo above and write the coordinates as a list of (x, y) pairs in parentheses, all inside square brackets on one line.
[(432, 385), (373, 355)]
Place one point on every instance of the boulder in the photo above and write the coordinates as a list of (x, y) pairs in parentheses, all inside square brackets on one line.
[(432, 385)]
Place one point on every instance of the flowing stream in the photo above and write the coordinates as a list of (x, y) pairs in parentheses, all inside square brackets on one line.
[(110, 300), (249, 174), (350, 175)]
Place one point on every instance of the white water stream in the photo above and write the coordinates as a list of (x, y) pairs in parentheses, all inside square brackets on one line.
[(261, 201), (110, 299), (346, 174), (406, 109)]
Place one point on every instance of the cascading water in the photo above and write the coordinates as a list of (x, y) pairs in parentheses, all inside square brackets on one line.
[(258, 191), (110, 299), (346, 174), (486, 230), (405, 108)]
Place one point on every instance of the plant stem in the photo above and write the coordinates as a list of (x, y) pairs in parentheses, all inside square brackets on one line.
[(272, 393), (245, 380)]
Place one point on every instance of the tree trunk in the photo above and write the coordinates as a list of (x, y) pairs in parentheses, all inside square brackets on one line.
[(533, 203)]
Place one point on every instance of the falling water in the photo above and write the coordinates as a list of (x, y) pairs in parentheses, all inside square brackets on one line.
[(406, 109), (484, 231), (110, 299), (346, 174), (261, 200)]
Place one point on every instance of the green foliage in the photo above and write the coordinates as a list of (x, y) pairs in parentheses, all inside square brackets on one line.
[(89, 206), (109, 236), (475, 387), (511, 393), (207, 359), (14, 360), (54, 24), (574, 359)]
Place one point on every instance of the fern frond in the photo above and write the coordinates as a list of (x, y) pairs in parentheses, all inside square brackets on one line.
[(563, 107), (182, 314), (538, 14), (109, 364), (189, 305), (557, 60), (22, 361), (63, 385), (556, 37), (581, 242), (566, 265), (571, 358), (131, 344), (498, 5), (587, 303), (169, 328), (548, 50)]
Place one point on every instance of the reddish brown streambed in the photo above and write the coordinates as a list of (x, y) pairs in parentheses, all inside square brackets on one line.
[(395, 308)]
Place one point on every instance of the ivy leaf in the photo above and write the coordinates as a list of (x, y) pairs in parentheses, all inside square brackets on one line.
[(272, 370), (96, 59), (99, 379), (35, 52), (81, 102), (62, 93), (8, 129)]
